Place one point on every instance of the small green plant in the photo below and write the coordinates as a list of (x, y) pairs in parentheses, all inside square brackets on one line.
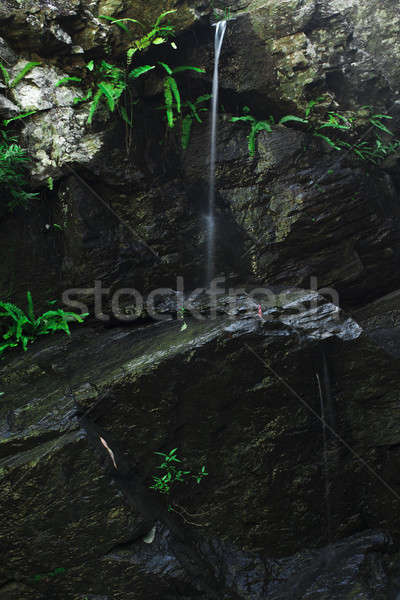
[(11, 83), (67, 80), (221, 14), (171, 475), (158, 33), (190, 111), (193, 110), (18, 328), (113, 83), (264, 125), (13, 166), (172, 95)]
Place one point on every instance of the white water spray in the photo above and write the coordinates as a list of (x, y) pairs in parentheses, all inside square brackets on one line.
[(219, 37)]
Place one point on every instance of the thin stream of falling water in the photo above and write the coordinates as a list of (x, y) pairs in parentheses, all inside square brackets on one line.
[(326, 463), (220, 28)]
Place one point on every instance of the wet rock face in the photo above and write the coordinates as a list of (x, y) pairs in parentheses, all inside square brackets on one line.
[(283, 216), (211, 391), (239, 393)]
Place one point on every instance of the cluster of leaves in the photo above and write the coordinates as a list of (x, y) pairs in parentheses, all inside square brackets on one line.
[(20, 328), (13, 158), (172, 97), (170, 474), (263, 125), (159, 33), (222, 14), (364, 150), (13, 166), (11, 83), (111, 81)]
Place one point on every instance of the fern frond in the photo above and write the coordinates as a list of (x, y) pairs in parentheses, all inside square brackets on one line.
[(115, 22), (168, 102), (23, 116), (187, 68), (166, 67), (94, 104), (185, 132), (162, 16), (31, 313), (108, 91), (5, 73), (28, 67), (140, 71), (252, 140), (175, 91), (327, 140), (66, 80), (289, 118)]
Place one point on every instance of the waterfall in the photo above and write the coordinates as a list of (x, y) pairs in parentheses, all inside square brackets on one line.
[(219, 37)]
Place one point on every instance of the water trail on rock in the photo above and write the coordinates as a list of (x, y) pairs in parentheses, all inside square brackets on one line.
[(220, 28)]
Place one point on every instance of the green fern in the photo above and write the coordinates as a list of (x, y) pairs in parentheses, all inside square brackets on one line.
[(157, 34), (194, 108), (5, 73), (66, 80), (94, 104), (24, 71), (18, 117), (169, 102), (135, 73), (20, 328), (255, 127), (13, 165), (172, 95), (289, 118)]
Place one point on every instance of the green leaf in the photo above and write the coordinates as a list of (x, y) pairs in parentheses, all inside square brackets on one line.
[(166, 67), (168, 102), (263, 125), (108, 91), (289, 118), (28, 67), (120, 22), (187, 68), (78, 100), (381, 126), (162, 16), (23, 116), (94, 104), (66, 80), (247, 118), (90, 65), (175, 92), (31, 313), (5, 73), (140, 71), (327, 140), (115, 22)]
